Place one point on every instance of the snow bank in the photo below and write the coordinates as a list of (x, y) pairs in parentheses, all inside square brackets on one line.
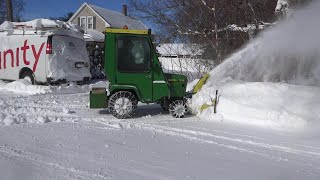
[(270, 105), (24, 87)]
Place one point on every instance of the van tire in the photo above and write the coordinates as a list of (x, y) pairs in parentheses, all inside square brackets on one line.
[(123, 104), (29, 76)]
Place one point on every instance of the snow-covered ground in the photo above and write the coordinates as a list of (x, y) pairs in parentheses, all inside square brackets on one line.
[(53, 134), (262, 130)]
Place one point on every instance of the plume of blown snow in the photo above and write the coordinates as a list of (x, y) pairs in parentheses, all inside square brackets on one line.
[(290, 53)]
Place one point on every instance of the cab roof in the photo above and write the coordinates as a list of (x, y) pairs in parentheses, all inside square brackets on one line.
[(128, 31)]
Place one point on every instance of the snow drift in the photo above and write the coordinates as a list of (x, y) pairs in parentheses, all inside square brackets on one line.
[(267, 83), (268, 105), (25, 88)]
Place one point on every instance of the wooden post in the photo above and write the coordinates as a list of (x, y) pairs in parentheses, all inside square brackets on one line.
[(216, 102)]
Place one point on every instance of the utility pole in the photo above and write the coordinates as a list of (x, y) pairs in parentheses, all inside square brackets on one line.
[(9, 10)]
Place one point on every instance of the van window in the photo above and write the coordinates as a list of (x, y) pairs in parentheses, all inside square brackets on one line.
[(134, 54)]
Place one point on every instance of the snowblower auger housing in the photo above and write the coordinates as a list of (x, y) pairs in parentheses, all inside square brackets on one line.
[(135, 74)]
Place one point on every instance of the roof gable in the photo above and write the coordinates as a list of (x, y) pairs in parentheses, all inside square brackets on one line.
[(81, 8), (117, 19)]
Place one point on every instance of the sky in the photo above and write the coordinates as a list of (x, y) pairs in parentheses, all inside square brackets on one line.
[(56, 8)]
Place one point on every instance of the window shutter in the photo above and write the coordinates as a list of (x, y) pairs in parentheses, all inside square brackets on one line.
[(94, 22), (78, 21)]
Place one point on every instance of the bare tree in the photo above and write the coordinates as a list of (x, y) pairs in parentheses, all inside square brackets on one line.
[(2, 11), (17, 6), (9, 10), (64, 18), (221, 26)]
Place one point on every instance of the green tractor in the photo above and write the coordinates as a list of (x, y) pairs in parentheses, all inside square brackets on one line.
[(135, 74)]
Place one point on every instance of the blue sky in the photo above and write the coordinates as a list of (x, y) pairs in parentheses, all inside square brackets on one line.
[(56, 8)]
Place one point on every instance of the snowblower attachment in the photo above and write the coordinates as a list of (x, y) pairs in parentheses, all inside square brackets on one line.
[(198, 87), (200, 83)]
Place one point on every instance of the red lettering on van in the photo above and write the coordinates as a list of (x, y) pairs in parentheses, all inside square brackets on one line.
[(15, 61), (36, 56), (24, 49), (5, 53), (17, 57)]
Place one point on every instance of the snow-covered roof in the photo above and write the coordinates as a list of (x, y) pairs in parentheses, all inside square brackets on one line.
[(117, 19), (93, 35), (46, 26), (180, 49)]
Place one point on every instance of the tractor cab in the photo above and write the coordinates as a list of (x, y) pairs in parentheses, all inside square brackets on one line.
[(135, 74)]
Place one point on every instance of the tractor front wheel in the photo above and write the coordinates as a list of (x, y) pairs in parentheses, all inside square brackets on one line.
[(178, 108), (123, 104)]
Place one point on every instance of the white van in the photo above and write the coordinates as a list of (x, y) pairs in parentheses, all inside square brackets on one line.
[(43, 51)]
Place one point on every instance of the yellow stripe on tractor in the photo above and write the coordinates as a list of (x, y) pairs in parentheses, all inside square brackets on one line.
[(128, 31)]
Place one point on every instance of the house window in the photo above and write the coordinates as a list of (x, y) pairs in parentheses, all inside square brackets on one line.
[(83, 22), (90, 22)]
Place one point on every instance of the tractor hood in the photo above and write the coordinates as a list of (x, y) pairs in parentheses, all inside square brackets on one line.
[(177, 84)]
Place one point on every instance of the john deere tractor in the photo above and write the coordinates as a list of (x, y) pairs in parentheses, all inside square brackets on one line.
[(135, 74)]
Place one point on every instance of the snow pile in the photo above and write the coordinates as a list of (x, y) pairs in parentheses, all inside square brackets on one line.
[(252, 82), (24, 87), (288, 53), (269, 105), (22, 113)]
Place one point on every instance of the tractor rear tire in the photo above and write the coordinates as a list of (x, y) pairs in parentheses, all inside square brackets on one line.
[(123, 104), (178, 108)]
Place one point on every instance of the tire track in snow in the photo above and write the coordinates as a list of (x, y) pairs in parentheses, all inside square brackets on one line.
[(253, 146), (11, 152), (193, 134)]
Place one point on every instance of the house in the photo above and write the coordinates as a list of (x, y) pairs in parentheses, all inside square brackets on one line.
[(91, 17)]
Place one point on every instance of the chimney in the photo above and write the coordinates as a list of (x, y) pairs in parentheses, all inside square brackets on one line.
[(125, 10)]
